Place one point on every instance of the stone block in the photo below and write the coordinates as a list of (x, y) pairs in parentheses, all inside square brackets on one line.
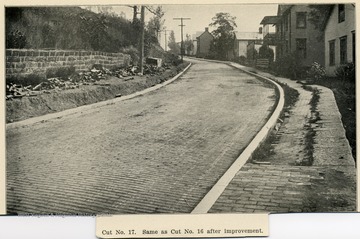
[(9, 52), (59, 53), (22, 53)]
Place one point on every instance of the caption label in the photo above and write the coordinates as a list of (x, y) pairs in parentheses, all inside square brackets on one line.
[(189, 225)]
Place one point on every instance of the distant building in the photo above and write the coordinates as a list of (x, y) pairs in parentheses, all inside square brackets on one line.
[(194, 50), (203, 43), (269, 31), (194, 39), (246, 40), (339, 35)]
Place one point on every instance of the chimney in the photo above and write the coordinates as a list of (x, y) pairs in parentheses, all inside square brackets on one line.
[(206, 29), (260, 30)]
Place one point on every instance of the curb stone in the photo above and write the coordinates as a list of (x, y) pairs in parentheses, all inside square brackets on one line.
[(210, 198)]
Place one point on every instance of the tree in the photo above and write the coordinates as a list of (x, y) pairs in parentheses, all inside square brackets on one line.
[(224, 35), (318, 16), (174, 47), (188, 44), (266, 52), (156, 23)]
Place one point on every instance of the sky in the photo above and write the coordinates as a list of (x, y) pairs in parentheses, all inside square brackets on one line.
[(248, 17)]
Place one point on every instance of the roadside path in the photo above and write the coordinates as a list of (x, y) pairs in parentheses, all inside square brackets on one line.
[(329, 185)]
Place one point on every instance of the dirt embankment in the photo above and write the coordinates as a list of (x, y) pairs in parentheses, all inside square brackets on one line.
[(59, 100)]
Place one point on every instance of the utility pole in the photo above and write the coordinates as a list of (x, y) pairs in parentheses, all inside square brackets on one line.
[(165, 37), (142, 39), (182, 40)]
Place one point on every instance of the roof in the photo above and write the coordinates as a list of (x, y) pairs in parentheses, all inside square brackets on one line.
[(197, 34), (248, 35), (205, 33), (282, 8), (269, 20)]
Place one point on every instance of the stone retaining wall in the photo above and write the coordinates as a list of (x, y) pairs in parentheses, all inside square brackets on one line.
[(27, 61)]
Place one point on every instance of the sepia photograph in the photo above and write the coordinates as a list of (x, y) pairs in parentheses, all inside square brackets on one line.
[(180, 109)]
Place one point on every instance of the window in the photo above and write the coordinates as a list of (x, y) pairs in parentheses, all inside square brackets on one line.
[(343, 50), (341, 12), (301, 48), (301, 20), (353, 46), (332, 52)]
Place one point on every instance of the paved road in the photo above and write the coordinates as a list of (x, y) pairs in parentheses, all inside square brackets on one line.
[(157, 153)]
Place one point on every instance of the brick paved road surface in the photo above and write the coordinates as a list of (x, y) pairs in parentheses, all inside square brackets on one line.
[(328, 185), (157, 153)]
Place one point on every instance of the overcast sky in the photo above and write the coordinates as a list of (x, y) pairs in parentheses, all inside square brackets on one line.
[(248, 17)]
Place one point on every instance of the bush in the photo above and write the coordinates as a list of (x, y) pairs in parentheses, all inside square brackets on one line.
[(171, 58), (289, 66), (266, 52), (346, 72), (241, 60), (134, 54), (316, 72), (16, 39)]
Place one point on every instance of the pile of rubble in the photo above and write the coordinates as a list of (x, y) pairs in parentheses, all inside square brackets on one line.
[(78, 79)]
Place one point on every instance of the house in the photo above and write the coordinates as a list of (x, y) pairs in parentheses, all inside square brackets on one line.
[(339, 36), (269, 32), (296, 35), (194, 50), (194, 39), (245, 41), (204, 43)]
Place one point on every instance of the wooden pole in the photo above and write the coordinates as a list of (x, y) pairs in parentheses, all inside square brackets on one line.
[(182, 40), (142, 39)]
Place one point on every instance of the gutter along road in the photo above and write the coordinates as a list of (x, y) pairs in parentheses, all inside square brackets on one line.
[(160, 152)]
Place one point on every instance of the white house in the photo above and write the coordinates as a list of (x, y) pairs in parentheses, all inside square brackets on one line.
[(339, 35), (243, 39)]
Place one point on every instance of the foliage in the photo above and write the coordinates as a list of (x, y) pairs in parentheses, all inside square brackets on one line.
[(174, 47), (172, 59), (266, 52), (316, 72), (289, 66), (252, 54), (156, 23), (15, 39), (241, 60), (133, 52), (224, 35), (346, 72), (188, 44), (72, 28), (318, 16)]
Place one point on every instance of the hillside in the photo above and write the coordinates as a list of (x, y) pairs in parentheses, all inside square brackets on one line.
[(71, 28)]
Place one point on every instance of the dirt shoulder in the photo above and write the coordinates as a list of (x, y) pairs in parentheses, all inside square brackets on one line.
[(46, 102)]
